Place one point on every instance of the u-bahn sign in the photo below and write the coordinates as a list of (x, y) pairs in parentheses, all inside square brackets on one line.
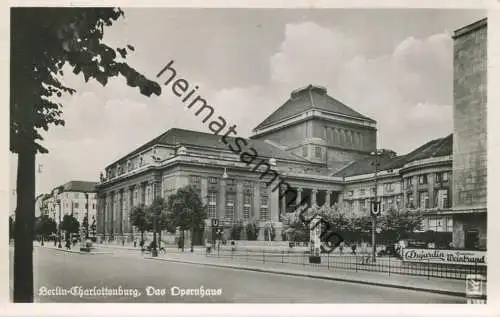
[(458, 257)]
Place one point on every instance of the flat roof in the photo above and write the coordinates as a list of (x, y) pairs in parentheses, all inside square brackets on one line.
[(470, 28)]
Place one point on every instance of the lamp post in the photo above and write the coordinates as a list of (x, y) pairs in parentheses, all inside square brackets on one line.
[(87, 224), (375, 207), (192, 230), (58, 203), (154, 251)]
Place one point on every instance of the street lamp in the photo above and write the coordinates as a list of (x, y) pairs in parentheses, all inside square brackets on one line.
[(87, 224), (375, 210), (154, 251), (58, 204)]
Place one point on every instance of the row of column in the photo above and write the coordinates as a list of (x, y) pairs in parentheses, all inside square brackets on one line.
[(312, 200), (113, 213)]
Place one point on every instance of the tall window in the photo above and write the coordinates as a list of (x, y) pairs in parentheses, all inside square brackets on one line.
[(75, 205), (437, 223), (422, 179), (362, 192), (212, 180), (442, 177), (264, 212), (212, 204), (366, 205), (247, 205), (424, 200), (229, 207), (442, 198), (317, 151), (304, 151), (408, 182), (410, 201)]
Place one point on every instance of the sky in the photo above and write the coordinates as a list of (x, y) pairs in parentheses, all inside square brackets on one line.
[(393, 65)]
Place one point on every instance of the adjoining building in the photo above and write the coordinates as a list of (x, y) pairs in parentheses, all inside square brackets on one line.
[(74, 197), (470, 148), (312, 143)]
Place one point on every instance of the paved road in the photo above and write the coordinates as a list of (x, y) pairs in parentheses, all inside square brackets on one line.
[(128, 270)]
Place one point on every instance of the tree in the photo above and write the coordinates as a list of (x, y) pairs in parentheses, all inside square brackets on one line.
[(85, 226), (398, 225), (156, 218), (139, 220), (236, 230), (93, 227), (70, 225), (252, 231), (186, 211), (43, 41), (45, 226)]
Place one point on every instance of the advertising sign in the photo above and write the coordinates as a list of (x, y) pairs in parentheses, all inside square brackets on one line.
[(315, 234), (445, 256)]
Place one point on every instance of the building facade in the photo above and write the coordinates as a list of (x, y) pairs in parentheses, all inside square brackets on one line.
[(74, 197), (470, 151), (314, 144)]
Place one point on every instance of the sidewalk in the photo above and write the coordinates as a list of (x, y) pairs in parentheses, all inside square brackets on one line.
[(74, 249), (416, 283)]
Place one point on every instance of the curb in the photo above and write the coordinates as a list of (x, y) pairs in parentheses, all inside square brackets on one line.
[(331, 278), (75, 251)]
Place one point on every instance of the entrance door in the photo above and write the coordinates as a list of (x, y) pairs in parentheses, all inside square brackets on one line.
[(471, 239)]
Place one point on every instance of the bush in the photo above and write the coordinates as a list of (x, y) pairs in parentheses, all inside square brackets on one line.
[(269, 231), (236, 232), (252, 231)]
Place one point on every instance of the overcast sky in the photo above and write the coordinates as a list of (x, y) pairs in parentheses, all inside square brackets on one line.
[(395, 66)]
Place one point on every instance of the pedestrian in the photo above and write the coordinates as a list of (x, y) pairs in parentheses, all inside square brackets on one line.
[(68, 244), (353, 248), (135, 243), (341, 247)]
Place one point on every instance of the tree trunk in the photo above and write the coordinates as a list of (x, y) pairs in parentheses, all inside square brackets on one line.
[(142, 237), (25, 215), (159, 239)]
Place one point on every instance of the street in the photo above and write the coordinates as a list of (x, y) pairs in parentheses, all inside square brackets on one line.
[(58, 270)]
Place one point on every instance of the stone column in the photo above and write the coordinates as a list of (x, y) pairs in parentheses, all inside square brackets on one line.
[(130, 208), (111, 215), (431, 180), (314, 192), (120, 213), (298, 199), (255, 213), (221, 205), (416, 198), (340, 202), (274, 205), (204, 190), (282, 202), (327, 198), (239, 201)]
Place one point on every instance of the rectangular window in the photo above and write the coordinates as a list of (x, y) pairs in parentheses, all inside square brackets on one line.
[(410, 203), (75, 205), (350, 193), (229, 207), (263, 189), (362, 192), (389, 187), (194, 179), (449, 224), (247, 205), (317, 151), (422, 179), (230, 181), (264, 214), (212, 180), (212, 204), (424, 200), (304, 151), (445, 176), (366, 206)]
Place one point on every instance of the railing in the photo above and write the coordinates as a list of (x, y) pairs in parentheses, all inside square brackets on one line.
[(350, 262)]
